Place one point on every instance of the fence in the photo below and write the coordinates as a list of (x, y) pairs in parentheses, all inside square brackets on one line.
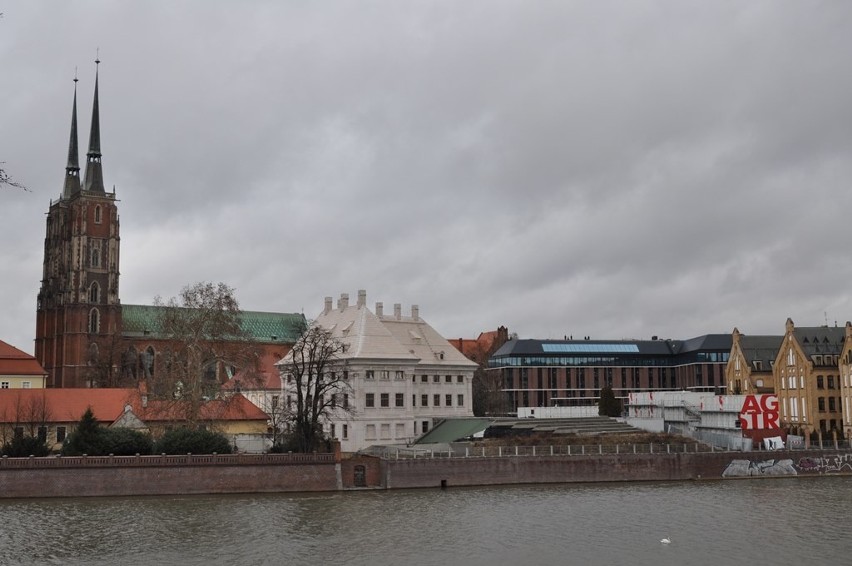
[(734, 440), (167, 460), (540, 451), (400, 453)]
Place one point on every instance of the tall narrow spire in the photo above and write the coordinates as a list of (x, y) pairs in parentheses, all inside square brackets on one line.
[(94, 175), (72, 170)]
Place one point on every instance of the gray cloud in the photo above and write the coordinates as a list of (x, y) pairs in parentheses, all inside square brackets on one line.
[(612, 169)]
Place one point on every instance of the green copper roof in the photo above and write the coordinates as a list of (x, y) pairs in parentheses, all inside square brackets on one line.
[(451, 430), (144, 320)]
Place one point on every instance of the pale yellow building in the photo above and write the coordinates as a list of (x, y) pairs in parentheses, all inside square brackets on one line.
[(19, 370), (846, 381), (807, 374), (750, 366)]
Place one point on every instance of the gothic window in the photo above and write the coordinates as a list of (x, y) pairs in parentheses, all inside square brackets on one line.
[(94, 321), (97, 214), (148, 362), (96, 256), (94, 293), (93, 354)]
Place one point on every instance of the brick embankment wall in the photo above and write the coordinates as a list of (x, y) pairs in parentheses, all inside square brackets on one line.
[(401, 474), (372, 472), (85, 482), (47, 477)]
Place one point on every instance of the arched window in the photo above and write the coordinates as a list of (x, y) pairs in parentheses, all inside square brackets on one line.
[(148, 362), (94, 293), (97, 214), (94, 321), (96, 257), (93, 354)]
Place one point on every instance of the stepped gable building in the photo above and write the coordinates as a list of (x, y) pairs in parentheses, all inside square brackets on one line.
[(479, 349), (807, 373), (750, 369), (85, 337), (403, 377), (560, 373)]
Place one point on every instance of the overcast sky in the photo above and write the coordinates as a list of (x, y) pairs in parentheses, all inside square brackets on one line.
[(611, 169)]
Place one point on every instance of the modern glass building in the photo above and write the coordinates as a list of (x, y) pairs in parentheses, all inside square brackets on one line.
[(559, 373)]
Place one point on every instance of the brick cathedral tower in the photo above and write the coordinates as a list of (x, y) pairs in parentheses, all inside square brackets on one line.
[(79, 313)]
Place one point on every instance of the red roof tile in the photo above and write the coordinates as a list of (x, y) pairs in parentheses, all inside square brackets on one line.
[(16, 362), (64, 405), (68, 405), (235, 408)]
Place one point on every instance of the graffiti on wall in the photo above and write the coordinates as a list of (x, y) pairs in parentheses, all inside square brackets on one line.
[(827, 464), (749, 468), (812, 465)]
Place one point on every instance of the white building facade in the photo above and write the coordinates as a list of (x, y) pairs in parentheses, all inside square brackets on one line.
[(402, 375)]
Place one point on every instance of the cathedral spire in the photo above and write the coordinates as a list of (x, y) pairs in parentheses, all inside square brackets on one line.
[(72, 170), (94, 175)]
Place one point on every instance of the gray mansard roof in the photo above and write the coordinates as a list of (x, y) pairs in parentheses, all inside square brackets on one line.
[(532, 347), (820, 340), (761, 349)]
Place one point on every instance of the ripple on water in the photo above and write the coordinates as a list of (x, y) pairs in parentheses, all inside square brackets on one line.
[(711, 523)]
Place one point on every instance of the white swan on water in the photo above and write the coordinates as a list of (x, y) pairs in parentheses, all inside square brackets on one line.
[(666, 541)]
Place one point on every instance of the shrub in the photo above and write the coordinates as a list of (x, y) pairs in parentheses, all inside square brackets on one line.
[(609, 405), (125, 442), (23, 446), (194, 441), (87, 438), (294, 443)]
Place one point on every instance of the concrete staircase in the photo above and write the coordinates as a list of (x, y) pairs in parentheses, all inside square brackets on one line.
[(579, 425)]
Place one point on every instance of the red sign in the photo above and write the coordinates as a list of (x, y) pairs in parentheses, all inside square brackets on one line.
[(759, 412)]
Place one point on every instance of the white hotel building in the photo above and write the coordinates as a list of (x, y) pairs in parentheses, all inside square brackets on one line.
[(403, 375)]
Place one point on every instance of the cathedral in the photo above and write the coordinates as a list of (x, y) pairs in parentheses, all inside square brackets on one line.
[(85, 337)]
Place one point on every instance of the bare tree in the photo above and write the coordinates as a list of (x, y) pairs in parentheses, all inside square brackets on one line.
[(30, 415), (279, 416), (204, 342), (488, 396), (314, 373), (6, 180), (103, 362)]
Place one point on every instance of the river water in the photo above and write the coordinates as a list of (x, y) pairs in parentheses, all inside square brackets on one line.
[(757, 521)]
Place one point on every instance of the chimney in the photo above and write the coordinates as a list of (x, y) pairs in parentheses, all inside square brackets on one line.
[(380, 310), (343, 301), (327, 307), (362, 298), (415, 312), (397, 311)]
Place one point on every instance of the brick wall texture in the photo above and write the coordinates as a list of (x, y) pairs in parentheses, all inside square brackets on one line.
[(375, 473)]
